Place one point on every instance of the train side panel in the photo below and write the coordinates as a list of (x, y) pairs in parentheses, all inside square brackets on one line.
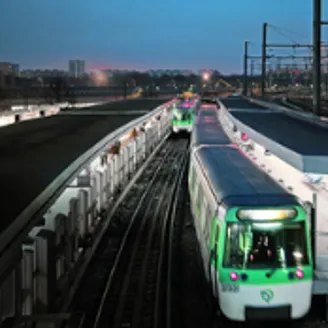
[(277, 298)]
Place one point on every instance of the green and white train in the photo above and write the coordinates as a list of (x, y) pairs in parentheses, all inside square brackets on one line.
[(254, 236), (183, 116)]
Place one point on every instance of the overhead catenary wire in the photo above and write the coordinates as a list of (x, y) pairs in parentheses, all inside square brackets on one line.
[(293, 42), (284, 33), (279, 31)]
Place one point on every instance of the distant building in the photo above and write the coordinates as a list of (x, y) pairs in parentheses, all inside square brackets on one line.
[(170, 72), (29, 73), (8, 73), (76, 68), (7, 68)]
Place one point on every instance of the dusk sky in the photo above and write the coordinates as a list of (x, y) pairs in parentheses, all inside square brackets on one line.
[(145, 34)]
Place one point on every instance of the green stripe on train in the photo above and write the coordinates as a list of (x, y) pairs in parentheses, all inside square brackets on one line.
[(258, 277), (182, 122)]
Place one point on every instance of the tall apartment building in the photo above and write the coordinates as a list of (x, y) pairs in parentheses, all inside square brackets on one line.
[(76, 68)]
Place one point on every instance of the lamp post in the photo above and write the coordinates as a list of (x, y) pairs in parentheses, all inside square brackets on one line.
[(206, 76)]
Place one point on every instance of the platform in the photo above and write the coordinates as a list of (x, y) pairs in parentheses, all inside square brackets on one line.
[(34, 153), (140, 104), (240, 103), (299, 143), (295, 182)]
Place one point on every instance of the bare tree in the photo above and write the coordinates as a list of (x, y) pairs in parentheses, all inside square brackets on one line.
[(5, 94), (25, 91), (3, 99), (61, 90), (57, 86)]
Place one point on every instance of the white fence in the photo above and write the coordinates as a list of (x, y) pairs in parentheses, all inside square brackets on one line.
[(37, 265)]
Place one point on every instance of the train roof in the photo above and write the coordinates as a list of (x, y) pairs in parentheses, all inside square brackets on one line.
[(208, 111), (236, 181), (183, 107), (207, 129)]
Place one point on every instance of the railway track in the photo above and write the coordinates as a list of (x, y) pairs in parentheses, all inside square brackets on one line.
[(126, 282), (191, 304), (130, 281)]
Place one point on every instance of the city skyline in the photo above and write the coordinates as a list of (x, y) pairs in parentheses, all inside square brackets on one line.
[(77, 67), (139, 35)]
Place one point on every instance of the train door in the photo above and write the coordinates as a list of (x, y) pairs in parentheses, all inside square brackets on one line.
[(214, 258), (202, 228), (199, 198), (312, 228), (192, 179)]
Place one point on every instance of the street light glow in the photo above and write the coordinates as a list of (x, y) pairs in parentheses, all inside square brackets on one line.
[(206, 76)]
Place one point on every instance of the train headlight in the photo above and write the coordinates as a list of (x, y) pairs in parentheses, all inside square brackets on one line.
[(234, 276), (299, 273), (266, 214)]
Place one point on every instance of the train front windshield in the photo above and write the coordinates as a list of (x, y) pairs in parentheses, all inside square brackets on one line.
[(183, 115), (262, 246)]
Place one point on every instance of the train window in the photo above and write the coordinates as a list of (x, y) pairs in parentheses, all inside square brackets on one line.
[(191, 173), (208, 223), (203, 215), (216, 241), (259, 246), (196, 190), (195, 179), (192, 178), (199, 195)]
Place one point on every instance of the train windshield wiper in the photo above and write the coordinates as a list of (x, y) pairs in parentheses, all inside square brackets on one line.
[(271, 272)]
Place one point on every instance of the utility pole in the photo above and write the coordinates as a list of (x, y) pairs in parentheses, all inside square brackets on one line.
[(245, 84), (252, 67), (316, 56), (323, 22), (125, 89), (325, 64), (316, 53), (317, 23), (264, 58)]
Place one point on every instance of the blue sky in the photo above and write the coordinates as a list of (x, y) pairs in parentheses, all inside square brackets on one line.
[(145, 33)]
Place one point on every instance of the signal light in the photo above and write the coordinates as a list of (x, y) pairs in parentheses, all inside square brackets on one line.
[(244, 137)]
